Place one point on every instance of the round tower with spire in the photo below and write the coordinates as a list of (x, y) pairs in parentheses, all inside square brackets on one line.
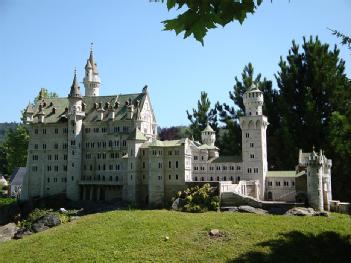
[(91, 79), (75, 122)]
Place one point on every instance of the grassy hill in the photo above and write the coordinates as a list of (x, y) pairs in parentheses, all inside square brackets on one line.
[(139, 236)]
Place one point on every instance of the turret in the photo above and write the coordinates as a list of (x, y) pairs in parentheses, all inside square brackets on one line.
[(75, 116), (91, 80), (253, 101), (208, 136), (29, 113)]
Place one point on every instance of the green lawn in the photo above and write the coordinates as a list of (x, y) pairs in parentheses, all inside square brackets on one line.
[(139, 236)]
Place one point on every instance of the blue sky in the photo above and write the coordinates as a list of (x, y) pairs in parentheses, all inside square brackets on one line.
[(42, 41)]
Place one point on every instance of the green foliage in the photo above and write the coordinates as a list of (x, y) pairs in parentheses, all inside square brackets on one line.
[(345, 40), (13, 151), (37, 213), (201, 116), (138, 236), (6, 201), (200, 199), (200, 16), (314, 107)]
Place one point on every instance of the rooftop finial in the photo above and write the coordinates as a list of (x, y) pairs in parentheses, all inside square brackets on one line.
[(91, 47)]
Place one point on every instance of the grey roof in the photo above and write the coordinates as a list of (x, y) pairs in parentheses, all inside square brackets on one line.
[(281, 174), (207, 147), (228, 159), (253, 88), (158, 143), (61, 107), (18, 175), (75, 89), (208, 128), (137, 135)]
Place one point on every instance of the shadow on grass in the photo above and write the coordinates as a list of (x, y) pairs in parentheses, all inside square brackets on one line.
[(299, 247)]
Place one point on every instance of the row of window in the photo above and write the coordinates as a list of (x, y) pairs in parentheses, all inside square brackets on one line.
[(50, 157), (218, 178), (103, 167), (218, 168), (254, 170), (105, 129), (104, 144), (55, 146), (56, 131), (55, 179), (278, 183)]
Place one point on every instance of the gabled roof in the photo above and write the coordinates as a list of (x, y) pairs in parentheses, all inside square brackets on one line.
[(281, 174), (18, 175)]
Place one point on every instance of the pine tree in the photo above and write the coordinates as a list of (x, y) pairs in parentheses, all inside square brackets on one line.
[(201, 116), (315, 97)]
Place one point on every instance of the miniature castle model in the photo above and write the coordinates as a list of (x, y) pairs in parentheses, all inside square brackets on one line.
[(96, 147)]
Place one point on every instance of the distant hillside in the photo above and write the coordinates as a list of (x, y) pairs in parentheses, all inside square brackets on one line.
[(166, 236), (4, 127)]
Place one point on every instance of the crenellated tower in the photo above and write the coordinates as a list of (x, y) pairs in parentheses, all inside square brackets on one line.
[(254, 146), (91, 79), (74, 140)]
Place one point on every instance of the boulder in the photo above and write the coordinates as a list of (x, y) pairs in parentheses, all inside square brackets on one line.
[(178, 204), (51, 220), (214, 233), (321, 213), (39, 227), (252, 210), (7, 232), (233, 209), (63, 211), (21, 233), (300, 211)]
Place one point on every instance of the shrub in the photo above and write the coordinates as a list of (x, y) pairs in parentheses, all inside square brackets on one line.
[(199, 199), (6, 201)]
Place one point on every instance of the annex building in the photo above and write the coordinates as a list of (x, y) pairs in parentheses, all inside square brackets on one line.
[(94, 147)]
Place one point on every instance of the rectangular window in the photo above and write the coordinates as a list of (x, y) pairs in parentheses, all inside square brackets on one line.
[(247, 135), (252, 156), (56, 131), (251, 144)]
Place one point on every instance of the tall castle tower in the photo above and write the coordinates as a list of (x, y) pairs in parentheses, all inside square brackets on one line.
[(74, 140), (91, 79), (254, 146), (319, 181)]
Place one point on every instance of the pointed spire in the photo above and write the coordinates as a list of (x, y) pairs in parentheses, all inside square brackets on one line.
[(75, 90), (29, 108)]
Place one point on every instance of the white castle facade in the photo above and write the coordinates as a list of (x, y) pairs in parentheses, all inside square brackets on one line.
[(96, 147)]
